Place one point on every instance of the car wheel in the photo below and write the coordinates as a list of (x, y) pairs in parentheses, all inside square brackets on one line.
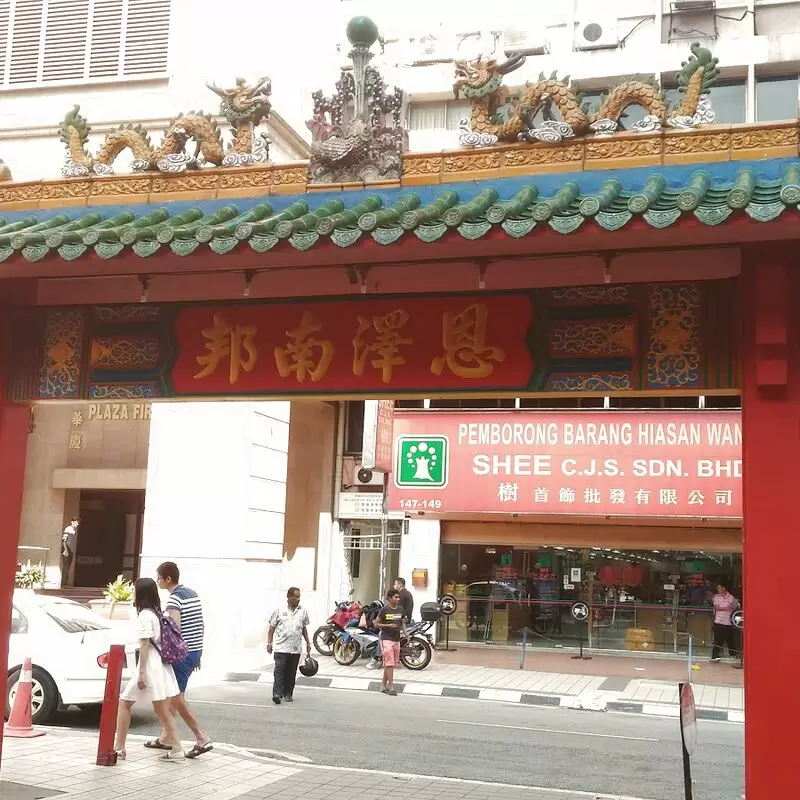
[(44, 695)]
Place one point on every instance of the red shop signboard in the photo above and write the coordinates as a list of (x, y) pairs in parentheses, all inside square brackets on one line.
[(352, 346), (681, 464)]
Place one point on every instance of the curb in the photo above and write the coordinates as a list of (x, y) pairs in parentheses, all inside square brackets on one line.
[(593, 702)]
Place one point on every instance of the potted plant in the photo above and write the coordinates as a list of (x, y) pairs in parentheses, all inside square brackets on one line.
[(118, 595), (29, 576)]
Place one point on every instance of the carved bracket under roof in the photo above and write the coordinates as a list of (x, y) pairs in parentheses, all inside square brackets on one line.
[(356, 133)]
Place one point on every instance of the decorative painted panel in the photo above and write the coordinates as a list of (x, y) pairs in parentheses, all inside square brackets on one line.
[(63, 355), (673, 356), (124, 391), (603, 339), (588, 295), (136, 351), (583, 382), (589, 338), (141, 312)]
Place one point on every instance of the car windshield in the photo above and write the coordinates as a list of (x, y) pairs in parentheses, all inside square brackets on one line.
[(73, 617)]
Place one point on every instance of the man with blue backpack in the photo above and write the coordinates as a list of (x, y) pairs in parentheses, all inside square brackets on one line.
[(185, 608)]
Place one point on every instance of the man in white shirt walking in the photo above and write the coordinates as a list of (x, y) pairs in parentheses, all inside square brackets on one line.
[(288, 627)]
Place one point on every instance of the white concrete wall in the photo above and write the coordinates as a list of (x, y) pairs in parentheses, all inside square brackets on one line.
[(216, 494), (419, 549)]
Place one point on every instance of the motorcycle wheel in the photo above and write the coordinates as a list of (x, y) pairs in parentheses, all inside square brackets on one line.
[(416, 655), (324, 639), (346, 653)]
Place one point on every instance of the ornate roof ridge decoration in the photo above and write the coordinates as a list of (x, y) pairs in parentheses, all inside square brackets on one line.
[(304, 224), (498, 115), (245, 107), (356, 133)]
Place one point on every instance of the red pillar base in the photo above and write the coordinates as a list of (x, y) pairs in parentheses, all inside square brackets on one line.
[(771, 431), (13, 442)]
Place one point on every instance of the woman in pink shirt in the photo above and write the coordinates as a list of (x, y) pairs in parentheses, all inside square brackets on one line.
[(724, 606)]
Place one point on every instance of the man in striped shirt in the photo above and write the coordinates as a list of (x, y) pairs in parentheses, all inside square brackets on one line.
[(185, 608)]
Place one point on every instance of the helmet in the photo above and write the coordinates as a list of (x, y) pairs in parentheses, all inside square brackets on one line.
[(309, 668)]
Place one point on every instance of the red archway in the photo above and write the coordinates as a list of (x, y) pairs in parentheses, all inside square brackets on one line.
[(688, 250)]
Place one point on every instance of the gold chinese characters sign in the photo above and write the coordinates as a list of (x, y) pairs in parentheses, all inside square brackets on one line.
[(403, 344)]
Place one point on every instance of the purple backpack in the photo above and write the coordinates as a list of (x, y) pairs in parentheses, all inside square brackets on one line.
[(172, 649)]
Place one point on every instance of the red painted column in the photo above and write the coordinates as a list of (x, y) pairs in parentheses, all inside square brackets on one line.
[(13, 441), (771, 430)]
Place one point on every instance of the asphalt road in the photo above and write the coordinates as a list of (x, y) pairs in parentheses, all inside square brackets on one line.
[(621, 754)]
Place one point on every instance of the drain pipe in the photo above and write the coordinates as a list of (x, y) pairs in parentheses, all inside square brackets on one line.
[(336, 540), (337, 473)]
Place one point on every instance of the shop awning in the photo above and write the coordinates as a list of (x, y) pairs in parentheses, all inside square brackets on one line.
[(763, 191)]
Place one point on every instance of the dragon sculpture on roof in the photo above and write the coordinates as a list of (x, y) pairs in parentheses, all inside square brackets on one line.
[(499, 114), (245, 107)]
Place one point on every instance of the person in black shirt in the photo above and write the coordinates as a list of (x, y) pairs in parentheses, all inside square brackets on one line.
[(406, 598)]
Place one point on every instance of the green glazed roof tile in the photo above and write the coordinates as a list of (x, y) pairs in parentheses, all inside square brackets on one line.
[(305, 225)]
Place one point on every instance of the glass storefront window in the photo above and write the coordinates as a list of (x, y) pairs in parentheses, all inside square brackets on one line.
[(640, 600)]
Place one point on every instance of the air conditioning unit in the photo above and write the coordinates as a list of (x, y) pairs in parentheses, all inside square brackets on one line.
[(352, 474), (596, 35), (525, 42)]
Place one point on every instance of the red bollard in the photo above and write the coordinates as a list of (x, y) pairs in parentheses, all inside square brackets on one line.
[(106, 755)]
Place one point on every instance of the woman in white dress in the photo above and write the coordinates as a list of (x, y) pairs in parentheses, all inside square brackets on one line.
[(155, 681)]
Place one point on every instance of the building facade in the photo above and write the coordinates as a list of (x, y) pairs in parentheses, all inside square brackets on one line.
[(238, 494), (597, 46), (528, 514)]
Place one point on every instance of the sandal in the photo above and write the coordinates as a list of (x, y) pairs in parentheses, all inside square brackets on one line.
[(173, 754), (156, 744), (199, 749), (121, 755)]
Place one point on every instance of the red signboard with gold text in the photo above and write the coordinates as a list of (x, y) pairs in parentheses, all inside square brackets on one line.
[(351, 346), (684, 464)]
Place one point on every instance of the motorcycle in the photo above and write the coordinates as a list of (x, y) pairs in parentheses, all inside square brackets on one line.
[(416, 649), (325, 636)]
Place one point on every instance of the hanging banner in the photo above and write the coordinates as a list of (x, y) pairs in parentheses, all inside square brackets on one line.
[(377, 439), (610, 463)]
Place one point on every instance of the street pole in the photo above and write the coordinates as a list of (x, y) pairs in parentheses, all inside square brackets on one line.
[(687, 775), (384, 537)]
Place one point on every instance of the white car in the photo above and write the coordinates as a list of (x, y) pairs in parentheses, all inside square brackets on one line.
[(68, 644)]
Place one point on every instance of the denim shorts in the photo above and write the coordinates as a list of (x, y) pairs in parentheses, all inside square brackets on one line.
[(184, 669)]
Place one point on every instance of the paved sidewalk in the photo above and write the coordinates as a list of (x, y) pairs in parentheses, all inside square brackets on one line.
[(61, 766), (531, 687)]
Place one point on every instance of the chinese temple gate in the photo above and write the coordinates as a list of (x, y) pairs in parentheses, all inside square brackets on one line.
[(559, 260)]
